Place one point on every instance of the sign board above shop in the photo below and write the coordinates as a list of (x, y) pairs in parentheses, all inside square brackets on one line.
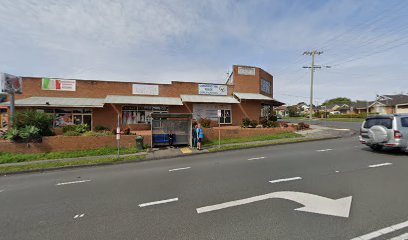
[(212, 89), (10, 83), (55, 84), (250, 71), (145, 89)]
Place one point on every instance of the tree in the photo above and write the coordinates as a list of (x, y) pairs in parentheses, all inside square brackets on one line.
[(338, 100), (293, 111)]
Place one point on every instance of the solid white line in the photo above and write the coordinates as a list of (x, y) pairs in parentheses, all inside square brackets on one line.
[(285, 179), (255, 158), (177, 169), (382, 231), (324, 150), (400, 237), (158, 202), (66, 183), (380, 165)]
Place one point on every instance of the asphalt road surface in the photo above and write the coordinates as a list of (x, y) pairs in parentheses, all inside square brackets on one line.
[(341, 190)]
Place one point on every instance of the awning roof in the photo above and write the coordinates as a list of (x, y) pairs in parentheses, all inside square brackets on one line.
[(208, 99), (57, 102), (143, 100), (256, 96)]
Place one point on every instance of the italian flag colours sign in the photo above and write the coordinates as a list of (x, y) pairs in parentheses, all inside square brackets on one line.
[(58, 84)]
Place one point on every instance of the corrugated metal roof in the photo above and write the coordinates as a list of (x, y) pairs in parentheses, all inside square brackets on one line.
[(143, 100), (208, 99), (58, 102), (256, 96)]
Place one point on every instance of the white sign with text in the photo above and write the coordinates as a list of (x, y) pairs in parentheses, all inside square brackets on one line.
[(145, 89), (212, 89)]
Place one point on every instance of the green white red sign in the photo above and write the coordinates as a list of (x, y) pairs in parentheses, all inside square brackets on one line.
[(58, 84)]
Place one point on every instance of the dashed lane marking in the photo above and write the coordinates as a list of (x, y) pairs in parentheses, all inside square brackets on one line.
[(379, 165), (382, 231), (79, 215), (255, 158), (324, 150), (178, 169), (285, 179), (67, 183), (158, 202)]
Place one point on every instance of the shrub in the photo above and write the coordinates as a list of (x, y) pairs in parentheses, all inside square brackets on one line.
[(126, 131), (29, 134), (72, 133), (42, 121), (206, 123), (253, 123), (100, 133), (273, 118), (245, 122), (99, 128), (13, 135), (82, 128)]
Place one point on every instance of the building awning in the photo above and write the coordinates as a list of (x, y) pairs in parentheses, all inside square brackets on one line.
[(257, 96), (58, 102), (208, 99), (142, 100)]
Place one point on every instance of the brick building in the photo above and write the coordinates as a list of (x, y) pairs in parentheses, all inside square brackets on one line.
[(247, 93)]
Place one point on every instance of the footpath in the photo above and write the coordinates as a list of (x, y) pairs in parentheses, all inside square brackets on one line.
[(315, 133)]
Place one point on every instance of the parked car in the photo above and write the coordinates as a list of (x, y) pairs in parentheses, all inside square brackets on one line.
[(389, 131)]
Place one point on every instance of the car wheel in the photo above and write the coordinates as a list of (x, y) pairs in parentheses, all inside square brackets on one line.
[(376, 147)]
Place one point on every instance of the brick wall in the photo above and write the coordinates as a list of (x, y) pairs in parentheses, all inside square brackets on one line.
[(66, 144)]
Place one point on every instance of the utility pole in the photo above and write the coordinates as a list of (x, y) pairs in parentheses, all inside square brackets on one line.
[(312, 68)]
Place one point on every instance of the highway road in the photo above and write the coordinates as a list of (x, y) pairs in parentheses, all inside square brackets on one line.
[(333, 189)]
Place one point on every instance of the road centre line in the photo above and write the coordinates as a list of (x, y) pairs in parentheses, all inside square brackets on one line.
[(382, 231), (380, 165), (285, 179), (67, 183), (158, 202), (177, 169), (324, 150), (255, 158), (400, 237)]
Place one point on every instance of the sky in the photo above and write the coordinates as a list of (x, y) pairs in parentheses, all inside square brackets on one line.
[(365, 42)]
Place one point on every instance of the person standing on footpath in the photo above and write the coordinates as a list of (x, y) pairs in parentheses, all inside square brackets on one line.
[(194, 135), (200, 136)]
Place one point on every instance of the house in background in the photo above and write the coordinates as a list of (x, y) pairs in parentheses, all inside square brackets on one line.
[(389, 104)]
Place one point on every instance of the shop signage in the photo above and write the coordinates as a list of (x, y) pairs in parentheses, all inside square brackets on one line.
[(145, 89), (58, 84), (265, 86), (208, 111), (250, 71), (212, 89), (10, 83)]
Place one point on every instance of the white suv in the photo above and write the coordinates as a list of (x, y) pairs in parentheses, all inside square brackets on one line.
[(389, 130)]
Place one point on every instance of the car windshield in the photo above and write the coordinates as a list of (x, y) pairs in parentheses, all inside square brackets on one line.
[(386, 122)]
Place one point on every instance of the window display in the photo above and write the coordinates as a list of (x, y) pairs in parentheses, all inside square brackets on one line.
[(140, 114)]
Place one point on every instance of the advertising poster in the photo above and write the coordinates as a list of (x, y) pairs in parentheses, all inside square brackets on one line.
[(10, 83), (58, 84)]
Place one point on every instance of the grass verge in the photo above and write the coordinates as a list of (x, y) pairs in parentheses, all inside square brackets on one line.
[(254, 138), (252, 145), (66, 164), (18, 157)]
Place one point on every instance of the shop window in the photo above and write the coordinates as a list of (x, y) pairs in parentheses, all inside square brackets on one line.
[(140, 114), (63, 117), (225, 116), (265, 110)]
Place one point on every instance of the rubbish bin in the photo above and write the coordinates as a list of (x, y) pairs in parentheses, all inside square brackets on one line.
[(139, 142)]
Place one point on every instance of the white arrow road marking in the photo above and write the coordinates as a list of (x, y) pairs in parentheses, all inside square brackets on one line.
[(255, 158), (285, 179), (380, 165), (400, 237), (178, 169), (158, 202), (66, 183), (382, 231), (324, 150), (312, 203), (79, 215)]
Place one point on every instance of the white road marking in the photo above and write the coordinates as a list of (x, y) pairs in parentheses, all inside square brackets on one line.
[(177, 169), (255, 158), (400, 237), (342, 129), (382, 231), (285, 179), (324, 150), (337, 171), (158, 202), (79, 215), (1, 190), (312, 203), (380, 165), (66, 183)]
